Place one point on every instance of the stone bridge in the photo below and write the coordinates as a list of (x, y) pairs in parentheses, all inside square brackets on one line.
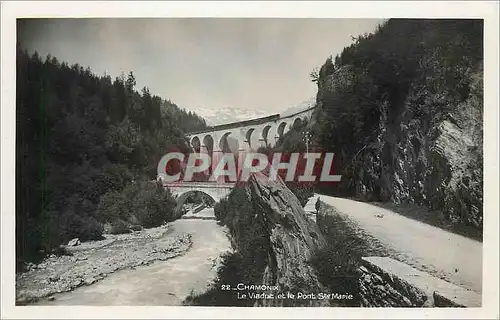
[(245, 136), (181, 190), (249, 134)]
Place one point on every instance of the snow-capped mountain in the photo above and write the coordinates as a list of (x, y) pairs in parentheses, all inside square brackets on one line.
[(300, 107), (229, 115)]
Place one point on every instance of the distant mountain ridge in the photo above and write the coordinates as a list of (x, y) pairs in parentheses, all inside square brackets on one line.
[(304, 105), (226, 115)]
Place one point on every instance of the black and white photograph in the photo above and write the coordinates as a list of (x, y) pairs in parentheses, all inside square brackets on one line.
[(252, 162)]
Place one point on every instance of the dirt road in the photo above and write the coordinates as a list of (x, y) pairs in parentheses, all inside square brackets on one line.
[(165, 283), (458, 259)]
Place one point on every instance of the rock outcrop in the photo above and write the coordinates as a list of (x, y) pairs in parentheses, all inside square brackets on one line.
[(74, 242), (381, 289), (419, 143), (292, 239), (385, 282)]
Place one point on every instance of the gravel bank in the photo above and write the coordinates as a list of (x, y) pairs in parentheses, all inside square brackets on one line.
[(161, 283), (94, 260)]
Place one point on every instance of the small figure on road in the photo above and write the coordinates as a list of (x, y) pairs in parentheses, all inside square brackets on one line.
[(317, 205)]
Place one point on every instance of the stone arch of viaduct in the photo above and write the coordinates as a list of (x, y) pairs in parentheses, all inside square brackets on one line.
[(250, 135)]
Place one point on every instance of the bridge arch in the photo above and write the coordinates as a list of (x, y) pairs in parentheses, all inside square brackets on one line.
[(223, 143), (208, 142), (249, 136), (182, 198), (297, 122), (265, 134), (216, 191), (281, 130), (195, 143), (306, 119)]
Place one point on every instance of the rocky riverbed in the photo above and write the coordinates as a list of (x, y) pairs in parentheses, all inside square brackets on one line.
[(92, 261), (161, 283)]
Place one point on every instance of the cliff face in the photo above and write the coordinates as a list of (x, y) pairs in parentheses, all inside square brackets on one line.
[(455, 175), (431, 159), (417, 129), (269, 227)]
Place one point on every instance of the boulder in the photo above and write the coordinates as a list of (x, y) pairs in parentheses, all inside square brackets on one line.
[(74, 242), (30, 266), (292, 238), (135, 227), (76, 283), (53, 278)]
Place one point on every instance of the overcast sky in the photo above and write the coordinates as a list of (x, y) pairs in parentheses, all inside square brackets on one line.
[(255, 64)]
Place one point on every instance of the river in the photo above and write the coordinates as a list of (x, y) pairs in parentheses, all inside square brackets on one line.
[(163, 283)]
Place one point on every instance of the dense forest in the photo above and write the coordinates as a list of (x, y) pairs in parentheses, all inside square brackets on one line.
[(85, 146), (402, 108)]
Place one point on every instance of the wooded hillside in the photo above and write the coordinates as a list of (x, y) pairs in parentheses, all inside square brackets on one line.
[(80, 136)]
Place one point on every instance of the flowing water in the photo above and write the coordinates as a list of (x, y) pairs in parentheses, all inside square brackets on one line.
[(164, 283)]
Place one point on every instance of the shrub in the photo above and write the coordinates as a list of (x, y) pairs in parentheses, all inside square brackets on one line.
[(119, 227), (58, 228), (84, 228), (337, 263), (114, 177), (143, 203), (302, 191), (337, 269), (220, 210), (34, 241), (69, 225), (111, 206)]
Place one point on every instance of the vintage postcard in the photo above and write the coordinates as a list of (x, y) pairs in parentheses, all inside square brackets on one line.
[(256, 163)]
